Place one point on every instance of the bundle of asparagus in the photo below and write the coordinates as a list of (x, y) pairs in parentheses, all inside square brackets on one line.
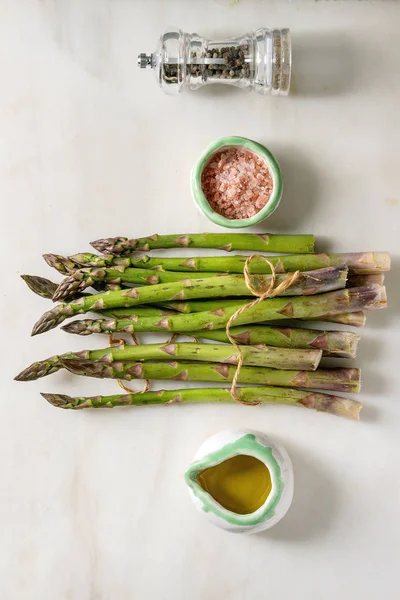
[(197, 296)]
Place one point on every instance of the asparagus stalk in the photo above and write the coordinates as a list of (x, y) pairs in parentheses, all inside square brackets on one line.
[(355, 319), (310, 282), (277, 358), (282, 358), (303, 307), (81, 279), (333, 380), (336, 405), (339, 344), (255, 242), (231, 285), (357, 262)]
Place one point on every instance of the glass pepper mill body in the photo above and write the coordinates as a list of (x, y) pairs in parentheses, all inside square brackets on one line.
[(259, 61)]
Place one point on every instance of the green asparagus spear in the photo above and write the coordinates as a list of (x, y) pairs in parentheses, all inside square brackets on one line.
[(333, 380), (255, 242), (231, 285), (342, 344), (303, 307), (282, 358), (354, 319), (276, 395), (81, 279), (310, 282), (357, 262), (339, 344)]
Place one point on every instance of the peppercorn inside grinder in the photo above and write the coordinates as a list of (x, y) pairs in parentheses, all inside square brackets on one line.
[(259, 61)]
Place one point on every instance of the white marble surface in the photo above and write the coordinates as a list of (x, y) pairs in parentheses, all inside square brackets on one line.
[(93, 505)]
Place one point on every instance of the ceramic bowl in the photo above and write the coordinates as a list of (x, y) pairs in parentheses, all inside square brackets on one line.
[(225, 445), (200, 199)]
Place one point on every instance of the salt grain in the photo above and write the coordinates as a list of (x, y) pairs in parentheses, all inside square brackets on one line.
[(237, 183)]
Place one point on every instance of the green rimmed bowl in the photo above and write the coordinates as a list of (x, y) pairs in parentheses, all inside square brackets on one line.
[(258, 149)]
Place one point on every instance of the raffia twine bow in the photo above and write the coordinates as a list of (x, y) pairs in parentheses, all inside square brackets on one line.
[(271, 292)]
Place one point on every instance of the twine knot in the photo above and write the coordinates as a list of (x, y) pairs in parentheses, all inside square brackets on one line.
[(271, 292)]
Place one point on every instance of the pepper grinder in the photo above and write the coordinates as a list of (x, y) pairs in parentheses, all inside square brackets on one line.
[(258, 61)]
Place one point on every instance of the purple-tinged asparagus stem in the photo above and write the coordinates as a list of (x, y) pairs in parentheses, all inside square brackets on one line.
[(361, 280), (351, 319), (333, 380), (335, 405)]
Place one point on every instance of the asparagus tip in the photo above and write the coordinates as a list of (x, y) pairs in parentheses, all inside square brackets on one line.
[(48, 321), (100, 245), (40, 286), (57, 400), (64, 289), (39, 369), (51, 259), (60, 263)]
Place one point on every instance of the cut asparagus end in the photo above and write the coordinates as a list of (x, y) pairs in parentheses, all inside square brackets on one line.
[(341, 407), (362, 280), (353, 319), (352, 347), (369, 296), (382, 260), (381, 300)]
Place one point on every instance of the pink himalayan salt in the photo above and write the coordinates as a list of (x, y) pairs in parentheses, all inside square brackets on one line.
[(236, 183)]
